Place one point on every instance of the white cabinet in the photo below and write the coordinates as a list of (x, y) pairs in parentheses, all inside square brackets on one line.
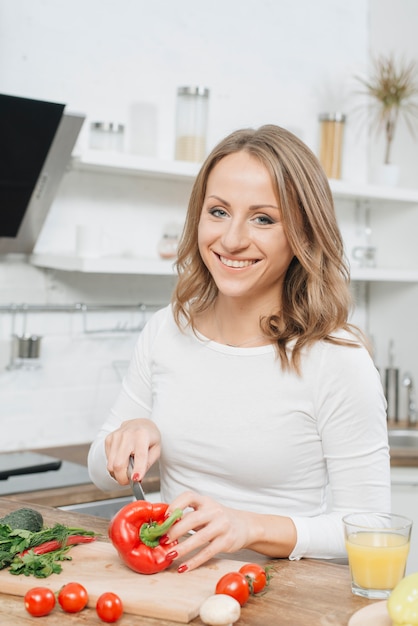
[(405, 502), (108, 164)]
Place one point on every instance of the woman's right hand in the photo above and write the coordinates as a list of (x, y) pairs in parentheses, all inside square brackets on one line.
[(139, 438)]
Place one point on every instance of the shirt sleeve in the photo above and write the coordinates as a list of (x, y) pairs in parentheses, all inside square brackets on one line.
[(351, 418), (133, 401)]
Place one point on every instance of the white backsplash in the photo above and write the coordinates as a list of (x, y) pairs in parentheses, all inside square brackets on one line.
[(65, 399), (82, 355)]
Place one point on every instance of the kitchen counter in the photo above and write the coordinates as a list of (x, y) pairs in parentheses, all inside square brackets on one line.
[(300, 592), (80, 491), (407, 456)]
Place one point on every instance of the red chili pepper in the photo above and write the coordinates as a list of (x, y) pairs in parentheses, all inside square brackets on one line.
[(136, 532), (54, 544)]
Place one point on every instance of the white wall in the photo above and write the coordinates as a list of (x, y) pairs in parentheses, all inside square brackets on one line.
[(393, 308), (282, 62), (393, 31)]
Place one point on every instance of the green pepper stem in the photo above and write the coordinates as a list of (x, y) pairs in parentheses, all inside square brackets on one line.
[(151, 533)]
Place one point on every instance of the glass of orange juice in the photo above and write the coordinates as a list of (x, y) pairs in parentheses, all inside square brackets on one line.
[(377, 547)]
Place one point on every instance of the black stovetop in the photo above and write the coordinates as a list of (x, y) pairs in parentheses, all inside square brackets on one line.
[(22, 472)]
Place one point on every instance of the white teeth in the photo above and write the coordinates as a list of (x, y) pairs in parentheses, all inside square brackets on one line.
[(236, 263)]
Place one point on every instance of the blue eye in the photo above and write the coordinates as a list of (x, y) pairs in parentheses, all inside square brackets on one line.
[(217, 212), (263, 220)]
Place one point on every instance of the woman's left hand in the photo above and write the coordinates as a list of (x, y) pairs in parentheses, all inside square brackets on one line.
[(217, 528)]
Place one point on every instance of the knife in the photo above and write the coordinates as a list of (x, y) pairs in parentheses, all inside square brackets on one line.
[(135, 485)]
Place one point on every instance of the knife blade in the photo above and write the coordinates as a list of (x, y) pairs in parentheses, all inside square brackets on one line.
[(135, 485)]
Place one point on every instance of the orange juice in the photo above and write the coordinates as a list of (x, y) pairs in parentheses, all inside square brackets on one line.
[(377, 559)]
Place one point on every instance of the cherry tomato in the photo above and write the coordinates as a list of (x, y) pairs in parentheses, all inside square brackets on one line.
[(109, 607), (73, 597), (256, 576), (39, 601), (236, 585)]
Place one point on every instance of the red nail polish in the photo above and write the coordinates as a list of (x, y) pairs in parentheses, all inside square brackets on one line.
[(164, 540), (135, 477), (172, 555), (182, 568)]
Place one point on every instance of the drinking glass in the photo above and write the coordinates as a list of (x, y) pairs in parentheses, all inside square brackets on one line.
[(377, 547)]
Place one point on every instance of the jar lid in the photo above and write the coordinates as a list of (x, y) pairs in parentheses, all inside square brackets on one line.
[(107, 127), (332, 117), (196, 90)]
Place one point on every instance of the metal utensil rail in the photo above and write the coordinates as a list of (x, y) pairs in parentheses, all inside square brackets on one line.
[(24, 309), (79, 307)]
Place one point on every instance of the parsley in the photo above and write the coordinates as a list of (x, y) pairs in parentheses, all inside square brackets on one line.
[(18, 554), (40, 565)]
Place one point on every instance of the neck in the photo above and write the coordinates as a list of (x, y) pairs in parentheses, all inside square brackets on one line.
[(237, 330)]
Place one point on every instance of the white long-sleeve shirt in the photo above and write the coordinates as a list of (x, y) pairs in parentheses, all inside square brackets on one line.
[(236, 427)]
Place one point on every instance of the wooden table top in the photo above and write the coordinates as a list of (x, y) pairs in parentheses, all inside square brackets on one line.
[(301, 593)]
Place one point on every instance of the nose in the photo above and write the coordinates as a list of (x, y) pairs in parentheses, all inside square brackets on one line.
[(235, 236)]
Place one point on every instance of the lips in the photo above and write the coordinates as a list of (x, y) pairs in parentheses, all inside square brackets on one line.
[(239, 263)]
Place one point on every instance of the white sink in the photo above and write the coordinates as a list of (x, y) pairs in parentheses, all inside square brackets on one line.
[(403, 438), (105, 508)]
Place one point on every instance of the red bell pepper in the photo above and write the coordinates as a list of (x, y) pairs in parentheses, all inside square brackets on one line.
[(136, 532)]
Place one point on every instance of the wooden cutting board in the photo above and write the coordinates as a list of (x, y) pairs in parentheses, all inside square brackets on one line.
[(166, 595), (374, 615)]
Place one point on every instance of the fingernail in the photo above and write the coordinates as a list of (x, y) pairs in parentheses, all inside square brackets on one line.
[(164, 540), (172, 555), (135, 477), (182, 568)]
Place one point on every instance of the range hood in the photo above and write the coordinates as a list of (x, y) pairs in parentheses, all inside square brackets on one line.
[(38, 138)]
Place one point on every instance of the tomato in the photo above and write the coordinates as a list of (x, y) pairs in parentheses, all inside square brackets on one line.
[(255, 575), (73, 597), (39, 601), (109, 607), (236, 585)]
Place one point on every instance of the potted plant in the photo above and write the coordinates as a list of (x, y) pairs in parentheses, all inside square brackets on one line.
[(393, 89)]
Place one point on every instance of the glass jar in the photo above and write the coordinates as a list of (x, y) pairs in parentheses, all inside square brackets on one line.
[(107, 136), (191, 123), (331, 143), (167, 246)]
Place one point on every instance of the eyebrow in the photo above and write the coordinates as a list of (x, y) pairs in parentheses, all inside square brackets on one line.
[(253, 207)]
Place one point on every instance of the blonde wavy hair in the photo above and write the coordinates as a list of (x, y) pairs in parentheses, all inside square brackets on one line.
[(316, 300)]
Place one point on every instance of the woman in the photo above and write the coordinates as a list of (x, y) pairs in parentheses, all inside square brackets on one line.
[(258, 398)]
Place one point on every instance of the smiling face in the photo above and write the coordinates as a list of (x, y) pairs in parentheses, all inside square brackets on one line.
[(241, 237)]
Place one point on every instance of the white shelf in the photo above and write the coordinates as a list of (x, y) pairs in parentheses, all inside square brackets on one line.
[(133, 165), (160, 267), (380, 274), (364, 191), (104, 265)]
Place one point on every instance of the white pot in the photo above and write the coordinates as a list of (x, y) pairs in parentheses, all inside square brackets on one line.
[(388, 174)]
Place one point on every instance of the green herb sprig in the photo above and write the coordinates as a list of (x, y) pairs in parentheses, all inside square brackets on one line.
[(17, 549)]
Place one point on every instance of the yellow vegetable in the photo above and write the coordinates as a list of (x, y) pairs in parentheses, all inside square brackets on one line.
[(403, 602)]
